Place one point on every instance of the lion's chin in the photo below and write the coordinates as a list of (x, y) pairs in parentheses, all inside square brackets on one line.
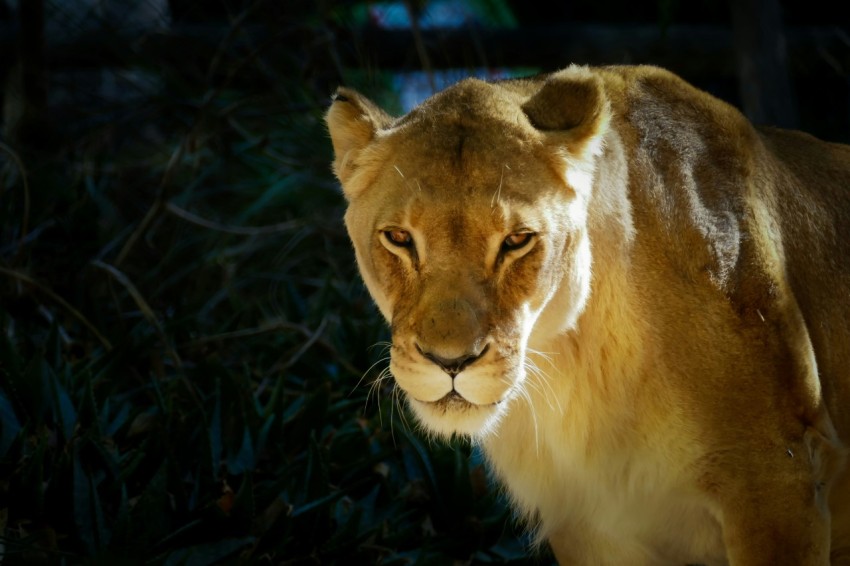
[(454, 415)]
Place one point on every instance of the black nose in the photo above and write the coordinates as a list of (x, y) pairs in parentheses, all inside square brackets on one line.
[(454, 366)]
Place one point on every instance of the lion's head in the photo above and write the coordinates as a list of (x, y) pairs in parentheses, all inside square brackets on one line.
[(468, 217)]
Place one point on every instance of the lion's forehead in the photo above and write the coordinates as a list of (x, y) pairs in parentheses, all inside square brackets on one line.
[(464, 145), (464, 185), (466, 169), (447, 174)]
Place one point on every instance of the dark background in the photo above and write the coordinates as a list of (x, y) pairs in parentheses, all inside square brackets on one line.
[(190, 369)]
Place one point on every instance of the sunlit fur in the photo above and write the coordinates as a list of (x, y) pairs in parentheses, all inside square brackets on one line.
[(661, 372)]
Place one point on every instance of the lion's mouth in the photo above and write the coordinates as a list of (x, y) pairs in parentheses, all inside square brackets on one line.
[(451, 400), (454, 401)]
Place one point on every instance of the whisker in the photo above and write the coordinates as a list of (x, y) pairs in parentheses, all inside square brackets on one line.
[(384, 358), (523, 392), (543, 376), (538, 377), (384, 345), (546, 381), (498, 194), (365, 373), (376, 385), (376, 388), (545, 355), (401, 409), (393, 402)]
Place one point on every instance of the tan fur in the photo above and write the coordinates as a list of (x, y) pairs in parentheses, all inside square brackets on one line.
[(661, 375)]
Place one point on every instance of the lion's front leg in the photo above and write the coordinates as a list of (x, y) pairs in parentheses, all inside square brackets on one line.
[(781, 531), (775, 509), (580, 546)]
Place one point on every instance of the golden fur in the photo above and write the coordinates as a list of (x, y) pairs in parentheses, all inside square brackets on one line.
[(634, 300)]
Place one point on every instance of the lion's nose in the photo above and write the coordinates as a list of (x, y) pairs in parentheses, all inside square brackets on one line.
[(454, 366)]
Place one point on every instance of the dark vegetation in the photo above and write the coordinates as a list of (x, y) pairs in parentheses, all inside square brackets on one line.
[(188, 360), (184, 331)]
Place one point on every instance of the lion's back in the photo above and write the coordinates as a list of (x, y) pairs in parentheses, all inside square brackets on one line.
[(724, 199)]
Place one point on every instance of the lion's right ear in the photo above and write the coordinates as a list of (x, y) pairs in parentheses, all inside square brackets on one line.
[(353, 120)]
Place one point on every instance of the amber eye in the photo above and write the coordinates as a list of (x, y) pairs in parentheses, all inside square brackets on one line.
[(400, 238), (516, 240)]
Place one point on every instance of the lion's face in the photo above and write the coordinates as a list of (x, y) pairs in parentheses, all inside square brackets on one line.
[(462, 265), (470, 235)]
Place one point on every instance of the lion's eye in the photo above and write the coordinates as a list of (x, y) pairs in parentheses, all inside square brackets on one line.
[(400, 238), (516, 240)]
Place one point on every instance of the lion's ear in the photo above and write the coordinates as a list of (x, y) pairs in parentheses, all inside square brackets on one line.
[(352, 122), (571, 104)]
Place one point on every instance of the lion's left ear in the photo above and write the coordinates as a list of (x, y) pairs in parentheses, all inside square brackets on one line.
[(572, 105), (353, 120)]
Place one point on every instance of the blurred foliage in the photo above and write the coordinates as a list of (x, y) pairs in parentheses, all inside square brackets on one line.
[(188, 362)]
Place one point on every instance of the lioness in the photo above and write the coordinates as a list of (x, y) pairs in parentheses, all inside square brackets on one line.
[(637, 303)]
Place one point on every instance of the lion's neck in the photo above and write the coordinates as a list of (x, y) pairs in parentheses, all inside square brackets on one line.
[(575, 376), (574, 417), (571, 417), (597, 363)]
